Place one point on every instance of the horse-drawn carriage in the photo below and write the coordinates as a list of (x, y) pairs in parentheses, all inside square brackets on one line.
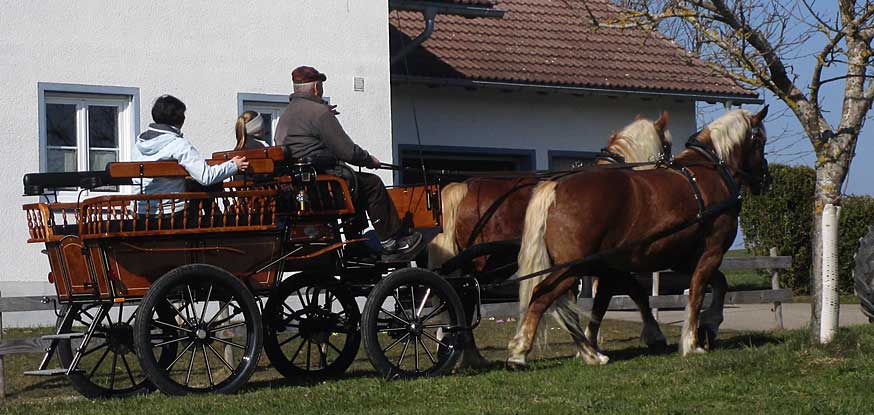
[(180, 291), (198, 265)]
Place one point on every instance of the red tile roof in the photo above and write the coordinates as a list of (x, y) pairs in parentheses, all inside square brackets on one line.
[(552, 42), (468, 2)]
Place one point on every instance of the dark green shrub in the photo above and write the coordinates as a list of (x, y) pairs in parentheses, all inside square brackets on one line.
[(784, 218)]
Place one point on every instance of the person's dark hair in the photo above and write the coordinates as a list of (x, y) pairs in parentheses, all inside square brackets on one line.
[(168, 110)]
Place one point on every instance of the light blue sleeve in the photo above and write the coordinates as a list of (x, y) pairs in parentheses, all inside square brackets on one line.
[(193, 162)]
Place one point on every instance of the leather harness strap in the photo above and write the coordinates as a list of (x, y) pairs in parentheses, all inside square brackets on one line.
[(733, 201)]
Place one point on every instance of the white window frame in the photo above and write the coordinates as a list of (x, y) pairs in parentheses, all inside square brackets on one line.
[(82, 96)]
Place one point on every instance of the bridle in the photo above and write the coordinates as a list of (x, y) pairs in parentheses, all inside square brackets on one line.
[(762, 180)]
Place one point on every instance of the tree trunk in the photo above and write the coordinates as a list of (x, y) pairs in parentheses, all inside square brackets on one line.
[(830, 176)]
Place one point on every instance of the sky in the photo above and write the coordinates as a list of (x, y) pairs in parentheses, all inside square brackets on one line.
[(787, 142)]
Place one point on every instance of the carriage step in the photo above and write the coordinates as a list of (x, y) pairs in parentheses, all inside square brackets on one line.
[(65, 336), (48, 372)]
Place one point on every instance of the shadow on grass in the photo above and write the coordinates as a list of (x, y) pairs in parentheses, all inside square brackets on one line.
[(748, 340), (732, 342)]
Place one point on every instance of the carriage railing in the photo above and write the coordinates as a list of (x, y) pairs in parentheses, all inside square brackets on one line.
[(48, 222), (178, 213)]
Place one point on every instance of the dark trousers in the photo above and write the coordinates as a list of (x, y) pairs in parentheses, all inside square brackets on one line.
[(380, 208)]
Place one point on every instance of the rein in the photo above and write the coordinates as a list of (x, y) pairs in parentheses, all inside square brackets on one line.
[(484, 218), (613, 157)]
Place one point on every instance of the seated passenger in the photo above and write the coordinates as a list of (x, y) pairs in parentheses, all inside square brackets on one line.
[(250, 131), (309, 128), (164, 141)]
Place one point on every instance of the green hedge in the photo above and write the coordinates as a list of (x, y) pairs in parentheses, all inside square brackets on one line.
[(784, 218)]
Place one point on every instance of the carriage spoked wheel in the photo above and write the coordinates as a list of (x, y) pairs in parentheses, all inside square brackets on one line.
[(412, 325), (109, 366), (214, 320), (311, 324)]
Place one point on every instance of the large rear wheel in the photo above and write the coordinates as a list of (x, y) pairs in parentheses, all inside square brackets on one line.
[(412, 325), (209, 309)]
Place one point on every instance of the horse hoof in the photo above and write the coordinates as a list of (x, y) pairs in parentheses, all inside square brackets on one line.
[(516, 366), (658, 346), (707, 337), (596, 360), (695, 350)]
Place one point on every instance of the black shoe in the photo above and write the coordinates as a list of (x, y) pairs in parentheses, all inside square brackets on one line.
[(402, 245)]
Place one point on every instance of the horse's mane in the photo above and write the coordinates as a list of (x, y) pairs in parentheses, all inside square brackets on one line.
[(638, 142), (728, 132)]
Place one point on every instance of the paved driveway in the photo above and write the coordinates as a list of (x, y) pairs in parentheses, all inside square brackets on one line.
[(755, 317)]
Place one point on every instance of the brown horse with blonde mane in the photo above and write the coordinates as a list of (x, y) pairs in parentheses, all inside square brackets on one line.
[(486, 210), (611, 222)]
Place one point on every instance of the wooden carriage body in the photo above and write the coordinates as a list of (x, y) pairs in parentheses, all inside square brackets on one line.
[(113, 248)]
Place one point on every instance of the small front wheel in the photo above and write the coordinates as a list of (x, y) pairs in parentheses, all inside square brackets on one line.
[(215, 321), (412, 325), (311, 327)]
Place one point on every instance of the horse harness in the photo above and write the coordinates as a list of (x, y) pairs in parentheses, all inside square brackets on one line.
[(704, 212), (616, 160)]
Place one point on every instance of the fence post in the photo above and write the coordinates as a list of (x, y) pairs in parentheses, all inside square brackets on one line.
[(655, 291), (775, 285), (2, 363)]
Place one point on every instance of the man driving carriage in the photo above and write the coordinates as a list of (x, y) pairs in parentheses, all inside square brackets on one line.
[(309, 128)]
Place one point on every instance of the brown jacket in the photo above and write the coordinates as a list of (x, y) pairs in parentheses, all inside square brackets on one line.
[(308, 127)]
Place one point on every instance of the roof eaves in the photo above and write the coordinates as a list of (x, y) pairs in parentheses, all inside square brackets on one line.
[(741, 98), (470, 9)]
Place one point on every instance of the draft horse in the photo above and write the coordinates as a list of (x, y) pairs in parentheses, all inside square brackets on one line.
[(612, 222), (489, 210)]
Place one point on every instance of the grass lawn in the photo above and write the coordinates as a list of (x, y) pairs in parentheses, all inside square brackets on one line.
[(748, 373)]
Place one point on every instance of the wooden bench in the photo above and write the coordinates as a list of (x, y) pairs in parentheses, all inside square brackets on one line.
[(775, 295)]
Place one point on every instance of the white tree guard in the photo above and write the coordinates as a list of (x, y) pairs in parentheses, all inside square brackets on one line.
[(830, 301)]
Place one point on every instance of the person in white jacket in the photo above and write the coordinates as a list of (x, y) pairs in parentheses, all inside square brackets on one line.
[(163, 140)]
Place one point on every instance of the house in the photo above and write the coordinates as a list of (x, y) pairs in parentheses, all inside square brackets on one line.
[(521, 84), (538, 87)]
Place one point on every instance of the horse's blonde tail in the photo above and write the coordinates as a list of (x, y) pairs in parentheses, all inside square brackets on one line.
[(534, 256), (443, 247)]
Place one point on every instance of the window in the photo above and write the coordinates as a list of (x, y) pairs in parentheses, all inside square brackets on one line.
[(81, 130), (461, 159)]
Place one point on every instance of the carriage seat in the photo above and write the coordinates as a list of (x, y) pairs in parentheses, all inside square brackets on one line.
[(36, 184)]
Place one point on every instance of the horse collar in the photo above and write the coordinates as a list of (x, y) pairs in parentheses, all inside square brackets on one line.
[(610, 156)]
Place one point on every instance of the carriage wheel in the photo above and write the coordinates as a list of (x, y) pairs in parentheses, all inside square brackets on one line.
[(413, 324), (312, 327), (109, 367), (210, 309)]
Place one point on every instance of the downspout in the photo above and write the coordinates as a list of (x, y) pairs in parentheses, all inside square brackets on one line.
[(429, 13)]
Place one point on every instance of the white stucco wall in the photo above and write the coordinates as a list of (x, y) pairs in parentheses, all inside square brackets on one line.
[(203, 52), (451, 116)]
